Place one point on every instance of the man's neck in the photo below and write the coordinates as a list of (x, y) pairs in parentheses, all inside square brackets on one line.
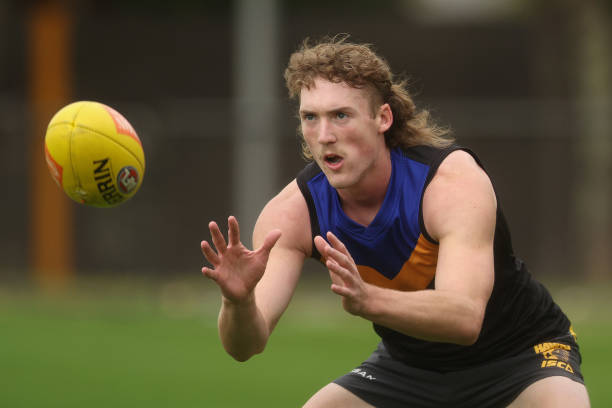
[(362, 202)]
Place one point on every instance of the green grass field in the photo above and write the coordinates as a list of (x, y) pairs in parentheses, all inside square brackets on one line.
[(151, 344)]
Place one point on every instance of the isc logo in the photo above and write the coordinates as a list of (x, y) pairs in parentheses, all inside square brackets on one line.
[(557, 363)]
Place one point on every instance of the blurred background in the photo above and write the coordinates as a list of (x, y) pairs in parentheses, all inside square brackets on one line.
[(526, 84)]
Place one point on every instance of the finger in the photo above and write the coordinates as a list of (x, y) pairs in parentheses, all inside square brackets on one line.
[(210, 255), (326, 249), (341, 290), (328, 252), (335, 278), (342, 273), (339, 245), (339, 257), (217, 237), (233, 234), (334, 241), (270, 240), (210, 273), (321, 245)]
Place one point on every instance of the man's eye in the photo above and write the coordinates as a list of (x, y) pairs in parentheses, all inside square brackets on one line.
[(341, 115), (308, 116)]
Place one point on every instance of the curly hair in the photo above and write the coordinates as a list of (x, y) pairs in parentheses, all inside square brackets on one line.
[(337, 60)]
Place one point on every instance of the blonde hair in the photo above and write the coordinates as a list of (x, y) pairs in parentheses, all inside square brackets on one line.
[(337, 60)]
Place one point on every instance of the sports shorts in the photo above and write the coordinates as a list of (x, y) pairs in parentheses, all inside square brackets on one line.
[(385, 382)]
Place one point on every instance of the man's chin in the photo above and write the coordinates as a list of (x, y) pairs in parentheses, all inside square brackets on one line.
[(338, 182)]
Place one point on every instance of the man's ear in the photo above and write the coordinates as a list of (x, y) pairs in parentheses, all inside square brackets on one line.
[(385, 118)]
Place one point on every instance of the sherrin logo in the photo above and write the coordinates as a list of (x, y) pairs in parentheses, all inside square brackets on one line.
[(104, 181), (127, 179)]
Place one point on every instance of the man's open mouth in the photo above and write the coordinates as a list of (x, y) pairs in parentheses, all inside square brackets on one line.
[(332, 158)]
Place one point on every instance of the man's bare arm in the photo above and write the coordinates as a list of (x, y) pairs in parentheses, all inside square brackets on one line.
[(257, 286)]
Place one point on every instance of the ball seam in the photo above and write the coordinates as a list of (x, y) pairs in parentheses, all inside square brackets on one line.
[(100, 134)]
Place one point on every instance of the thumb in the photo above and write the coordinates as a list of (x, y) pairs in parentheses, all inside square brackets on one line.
[(270, 240), (210, 273)]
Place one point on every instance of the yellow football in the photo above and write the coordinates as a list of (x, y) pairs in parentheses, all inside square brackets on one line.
[(94, 154)]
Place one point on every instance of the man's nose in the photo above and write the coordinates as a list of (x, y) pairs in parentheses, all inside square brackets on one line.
[(326, 133)]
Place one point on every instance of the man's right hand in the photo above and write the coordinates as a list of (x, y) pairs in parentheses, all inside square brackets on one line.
[(236, 269)]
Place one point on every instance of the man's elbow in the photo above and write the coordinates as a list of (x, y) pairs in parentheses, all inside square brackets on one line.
[(468, 338), (240, 357), (244, 355), (469, 332)]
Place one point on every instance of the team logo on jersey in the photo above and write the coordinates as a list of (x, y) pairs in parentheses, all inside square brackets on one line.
[(127, 179), (555, 355), (553, 351)]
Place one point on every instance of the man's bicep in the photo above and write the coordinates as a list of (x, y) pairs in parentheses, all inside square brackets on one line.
[(466, 269), (466, 260), (461, 213)]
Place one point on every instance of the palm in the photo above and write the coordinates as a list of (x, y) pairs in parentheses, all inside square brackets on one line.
[(239, 270), (236, 268)]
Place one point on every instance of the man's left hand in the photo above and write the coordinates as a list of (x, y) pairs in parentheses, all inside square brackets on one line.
[(346, 280)]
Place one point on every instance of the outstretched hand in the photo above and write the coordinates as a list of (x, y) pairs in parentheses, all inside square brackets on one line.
[(236, 269), (346, 280)]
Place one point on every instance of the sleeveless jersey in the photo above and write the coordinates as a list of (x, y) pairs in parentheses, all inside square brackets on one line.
[(396, 252)]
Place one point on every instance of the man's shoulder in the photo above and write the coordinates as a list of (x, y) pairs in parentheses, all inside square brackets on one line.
[(427, 154), (307, 173), (288, 212), (459, 189), (289, 200), (459, 161)]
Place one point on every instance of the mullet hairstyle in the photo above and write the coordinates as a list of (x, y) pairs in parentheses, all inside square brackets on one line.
[(337, 60)]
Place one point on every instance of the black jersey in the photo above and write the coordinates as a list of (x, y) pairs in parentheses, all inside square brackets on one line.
[(395, 251)]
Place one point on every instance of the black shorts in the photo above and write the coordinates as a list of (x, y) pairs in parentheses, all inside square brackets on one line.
[(388, 383)]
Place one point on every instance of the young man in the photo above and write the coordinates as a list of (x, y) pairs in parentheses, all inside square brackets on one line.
[(410, 229)]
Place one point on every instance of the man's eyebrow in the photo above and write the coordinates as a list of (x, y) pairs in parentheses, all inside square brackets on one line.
[(332, 110), (341, 108), (304, 112)]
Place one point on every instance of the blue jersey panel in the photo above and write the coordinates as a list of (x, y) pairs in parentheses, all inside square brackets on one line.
[(394, 231)]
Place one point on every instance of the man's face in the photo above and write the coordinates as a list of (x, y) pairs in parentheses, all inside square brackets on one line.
[(344, 136)]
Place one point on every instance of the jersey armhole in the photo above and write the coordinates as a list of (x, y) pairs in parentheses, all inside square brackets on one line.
[(302, 181), (434, 164)]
